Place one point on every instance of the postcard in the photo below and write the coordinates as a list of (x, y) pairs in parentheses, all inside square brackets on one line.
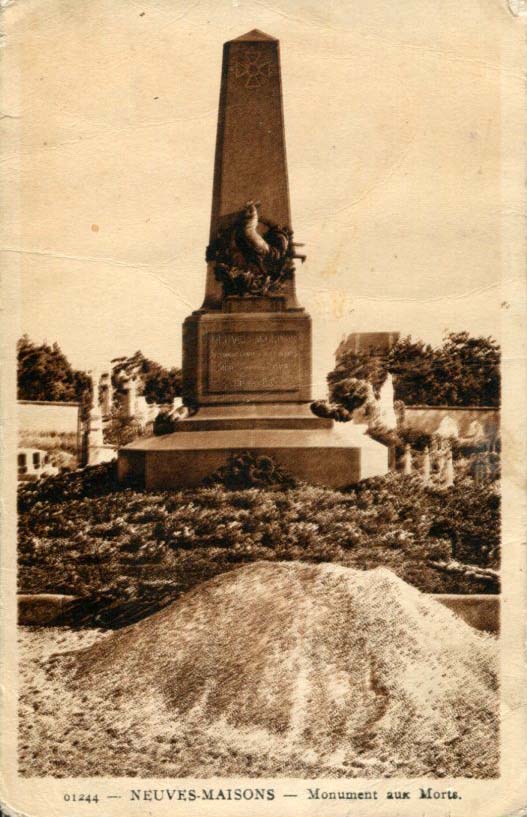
[(263, 408)]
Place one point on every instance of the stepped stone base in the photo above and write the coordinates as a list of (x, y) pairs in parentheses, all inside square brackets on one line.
[(310, 448)]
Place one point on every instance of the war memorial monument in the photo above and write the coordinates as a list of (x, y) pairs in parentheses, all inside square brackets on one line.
[(247, 352)]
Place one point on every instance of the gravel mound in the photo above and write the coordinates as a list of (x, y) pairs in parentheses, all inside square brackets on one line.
[(274, 669)]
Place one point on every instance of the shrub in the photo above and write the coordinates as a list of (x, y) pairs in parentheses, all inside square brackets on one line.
[(127, 553), (93, 481), (416, 439), (121, 430), (351, 392)]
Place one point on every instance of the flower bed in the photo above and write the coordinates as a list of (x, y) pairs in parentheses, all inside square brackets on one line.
[(124, 550)]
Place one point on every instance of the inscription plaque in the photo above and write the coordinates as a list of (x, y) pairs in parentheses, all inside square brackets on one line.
[(242, 362)]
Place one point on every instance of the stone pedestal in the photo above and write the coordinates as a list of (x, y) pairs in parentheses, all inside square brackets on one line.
[(316, 450), (247, 357)]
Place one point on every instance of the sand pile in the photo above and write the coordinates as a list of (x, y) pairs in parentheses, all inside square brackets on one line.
[(288, 668)]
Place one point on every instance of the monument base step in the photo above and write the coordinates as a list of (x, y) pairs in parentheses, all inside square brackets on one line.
[(253, 415), (334, 456)]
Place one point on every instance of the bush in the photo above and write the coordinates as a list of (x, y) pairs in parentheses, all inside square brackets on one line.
[(127, 553), (416, 439), (121, 430), (97, 480), (351, 393), (470, 518)]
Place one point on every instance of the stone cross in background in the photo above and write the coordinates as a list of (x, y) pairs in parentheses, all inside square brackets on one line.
[(448, 472), (95, 440), (387, 415), (407, 460), (129, 385), (106, 393), (426, 466)]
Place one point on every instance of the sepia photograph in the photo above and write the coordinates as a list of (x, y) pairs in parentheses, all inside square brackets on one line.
[(267, 353)]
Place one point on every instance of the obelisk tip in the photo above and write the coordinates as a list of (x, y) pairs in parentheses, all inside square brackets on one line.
[(254, 36)]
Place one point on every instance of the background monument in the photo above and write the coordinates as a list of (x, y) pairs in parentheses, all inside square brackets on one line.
[(247, 351)]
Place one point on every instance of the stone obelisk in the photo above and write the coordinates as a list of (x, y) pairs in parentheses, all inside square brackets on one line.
[(235, 350), (250, 144), (247, 350)]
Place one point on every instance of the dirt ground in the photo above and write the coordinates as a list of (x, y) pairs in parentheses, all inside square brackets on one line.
[(274, 669)]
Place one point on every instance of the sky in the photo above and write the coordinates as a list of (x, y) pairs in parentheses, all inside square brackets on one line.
[(394, 144)]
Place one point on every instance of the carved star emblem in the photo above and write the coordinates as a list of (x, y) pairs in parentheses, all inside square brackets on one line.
[(254, 68)]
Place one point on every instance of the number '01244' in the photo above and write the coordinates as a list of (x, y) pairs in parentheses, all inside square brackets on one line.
[(81, 798)]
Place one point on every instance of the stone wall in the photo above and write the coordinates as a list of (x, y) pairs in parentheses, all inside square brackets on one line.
[(429, 418), (42, 416)]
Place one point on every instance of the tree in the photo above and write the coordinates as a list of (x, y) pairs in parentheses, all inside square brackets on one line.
[(413, 365), (463, 371), (157, 384), (471, 369), (358, 366), (44, 373)]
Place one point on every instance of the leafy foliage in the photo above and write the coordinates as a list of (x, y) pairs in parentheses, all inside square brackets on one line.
[(157, 384), (127, 552), (96, 481), (357, 366), (44, 373), (463, 371), (121, 430)]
